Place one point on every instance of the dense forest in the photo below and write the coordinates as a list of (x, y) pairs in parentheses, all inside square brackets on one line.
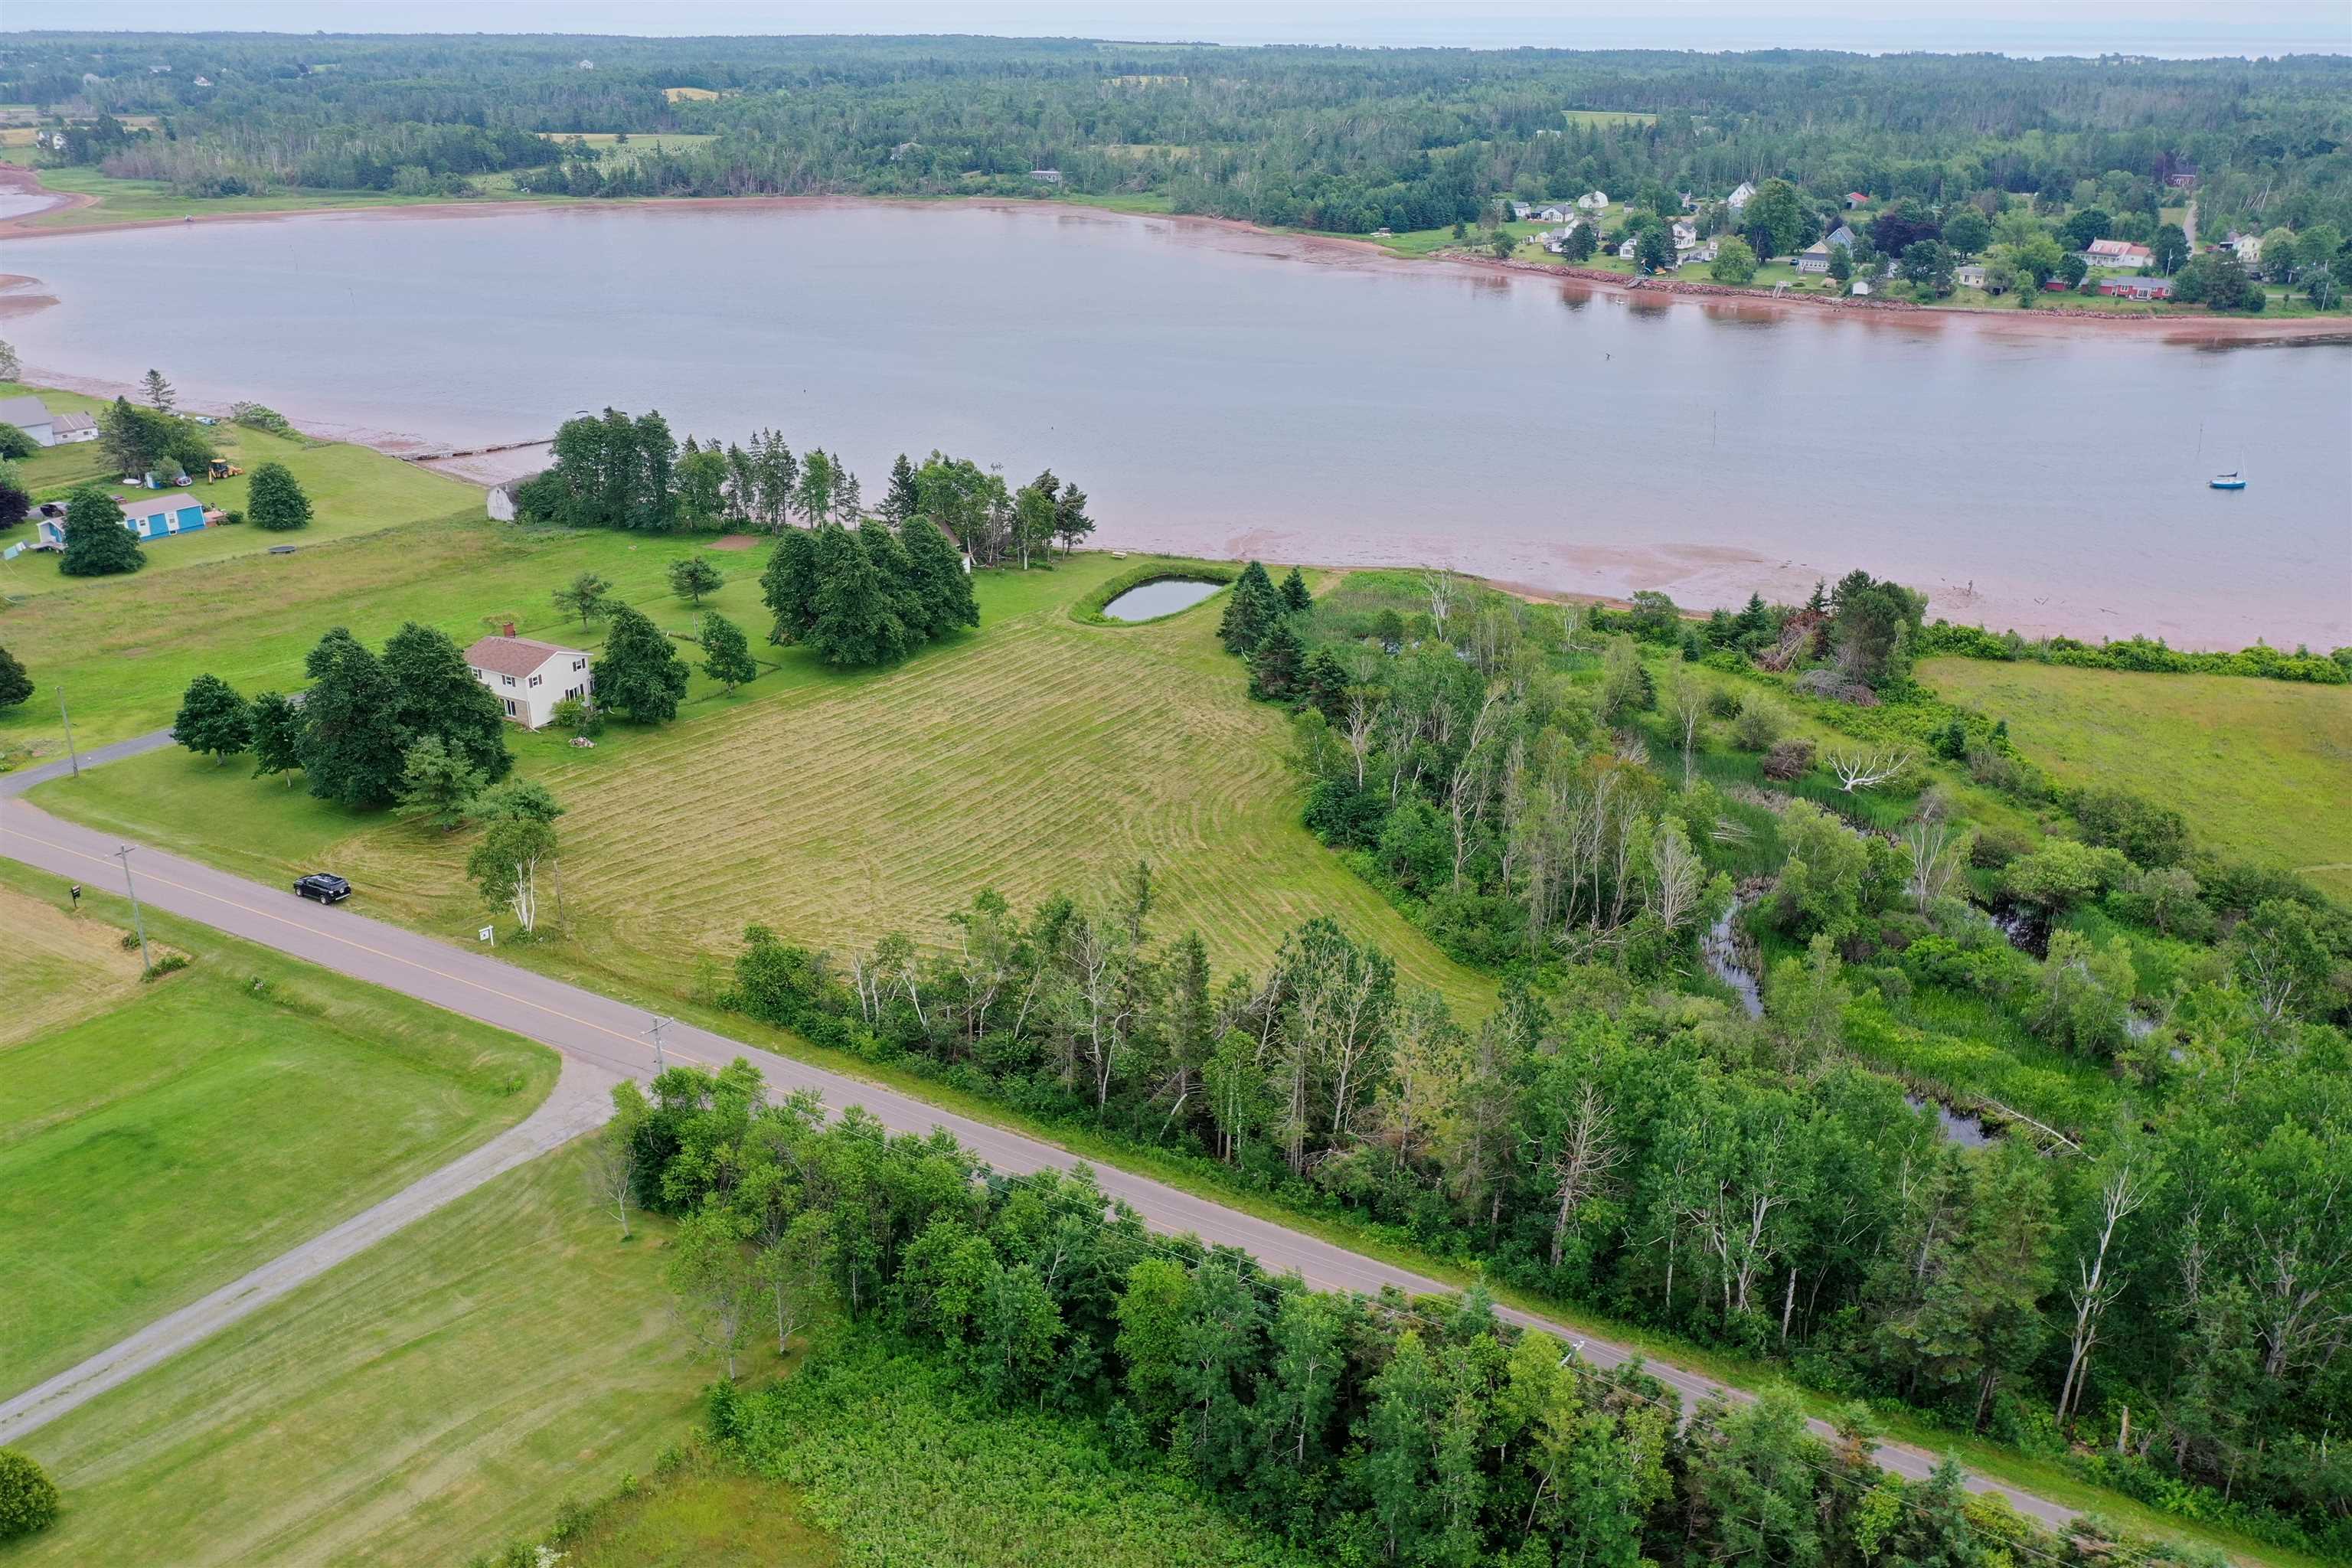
[(1341, 139), (1352, 1431)]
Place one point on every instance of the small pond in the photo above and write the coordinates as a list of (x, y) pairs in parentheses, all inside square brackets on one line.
[(1160, 596)]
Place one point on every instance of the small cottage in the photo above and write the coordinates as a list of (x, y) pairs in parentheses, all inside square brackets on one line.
[(530, 677), (2118, 253), (1740, 196), (2137, 287), (1970, 275), (1815, 257), (31, 415)]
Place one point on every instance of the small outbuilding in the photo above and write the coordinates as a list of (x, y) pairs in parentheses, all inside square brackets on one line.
[(530, 677)]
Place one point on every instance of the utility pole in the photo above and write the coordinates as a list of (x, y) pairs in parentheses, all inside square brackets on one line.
[(655, 1032), (146, 958), (71, 755)]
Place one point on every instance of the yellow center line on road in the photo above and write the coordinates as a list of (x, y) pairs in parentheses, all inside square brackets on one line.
[(374, 952)]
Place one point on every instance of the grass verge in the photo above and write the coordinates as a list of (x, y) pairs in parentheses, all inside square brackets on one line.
[(430, 1398), (193, 1128)]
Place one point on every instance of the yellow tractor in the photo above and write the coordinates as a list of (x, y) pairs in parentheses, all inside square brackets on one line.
[(222, 468)]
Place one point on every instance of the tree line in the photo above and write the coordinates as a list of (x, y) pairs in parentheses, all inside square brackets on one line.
[(1371, 1429), (622, 472), (1327, 139)]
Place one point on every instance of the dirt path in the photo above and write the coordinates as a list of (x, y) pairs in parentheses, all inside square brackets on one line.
[(613, 1036), (581, 1100)]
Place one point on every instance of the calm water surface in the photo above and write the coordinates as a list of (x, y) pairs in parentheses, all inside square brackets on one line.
[(1152, 600), (1232, 394)]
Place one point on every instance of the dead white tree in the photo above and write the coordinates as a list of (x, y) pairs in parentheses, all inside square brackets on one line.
[(1861, 770), (1580, 1164), (1362, 726), (1676, 877), (1935, 860), (1686, 704), (2096, 1288), (1443, 586)]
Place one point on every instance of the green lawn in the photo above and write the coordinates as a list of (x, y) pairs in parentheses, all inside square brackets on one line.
[(853, 804), (169, 1137), (427, 1401), (353, 491), (125, 647), (2253, 762)]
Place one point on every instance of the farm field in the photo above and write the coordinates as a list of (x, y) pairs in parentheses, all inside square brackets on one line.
[(708, 1518), (353, 491), (426, 1401), (202, 1124), (2258, 757), (55, 969), (858, 803)]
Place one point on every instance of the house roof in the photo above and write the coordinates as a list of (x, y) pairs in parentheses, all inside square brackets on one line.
[(1839, 236), (2116, 247), (67, 424), (24, 411), (149, 505), (514, 655)]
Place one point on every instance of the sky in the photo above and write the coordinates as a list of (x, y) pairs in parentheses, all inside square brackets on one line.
[(2169, 28)]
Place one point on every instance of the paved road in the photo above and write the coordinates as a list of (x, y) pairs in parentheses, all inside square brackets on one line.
[(582, 1100), (612, 1035)]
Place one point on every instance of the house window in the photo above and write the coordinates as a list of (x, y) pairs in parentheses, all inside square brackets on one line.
[(510, 708), (507, 679), (534, 680)]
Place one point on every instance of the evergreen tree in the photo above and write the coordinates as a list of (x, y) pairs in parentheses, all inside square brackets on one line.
[(855, 619), (940, 577), (437, 786), (276, 735), (1251, 606), (1325, 684), (434, 694), (1071, 523), (352, 741), (15, 685), (788, 586), (1294, 596), (640, 675), (653, 499), (213, 720), (726, 655), (1278, 664), (274, 501), (903, 501), (160, 396), (96, 542)]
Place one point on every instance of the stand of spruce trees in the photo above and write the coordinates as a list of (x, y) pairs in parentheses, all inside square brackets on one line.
[(867, 595)]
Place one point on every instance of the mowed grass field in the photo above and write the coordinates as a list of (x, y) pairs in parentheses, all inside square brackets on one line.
[(423, 1402), (152, 201), (1035, 756), (353, 491), (56, 969), (2262, 767), (126, 648), (158, 1140)]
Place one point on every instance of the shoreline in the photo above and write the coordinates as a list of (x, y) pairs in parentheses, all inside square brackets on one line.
[(2185, 330), (1700, 578)]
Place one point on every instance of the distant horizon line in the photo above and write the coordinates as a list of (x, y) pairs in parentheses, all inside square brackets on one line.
[(2298, 49)]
